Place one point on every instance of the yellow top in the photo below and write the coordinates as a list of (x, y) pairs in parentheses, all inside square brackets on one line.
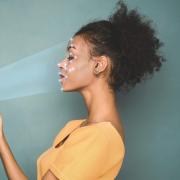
[(93, 152)]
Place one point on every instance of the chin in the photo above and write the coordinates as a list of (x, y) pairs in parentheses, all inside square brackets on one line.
[(64, 89), (73, 87)]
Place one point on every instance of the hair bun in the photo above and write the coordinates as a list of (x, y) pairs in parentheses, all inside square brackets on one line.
[(130, 41)]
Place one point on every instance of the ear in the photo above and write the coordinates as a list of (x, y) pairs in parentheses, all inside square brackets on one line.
[(101, 64)]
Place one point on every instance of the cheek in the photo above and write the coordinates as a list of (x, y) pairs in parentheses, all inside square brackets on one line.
[(79, 72), (71, 69)]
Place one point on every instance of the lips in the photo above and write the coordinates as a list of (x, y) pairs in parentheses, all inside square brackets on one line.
[(62, 76)]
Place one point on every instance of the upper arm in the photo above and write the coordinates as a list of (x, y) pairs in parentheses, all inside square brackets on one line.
[(49, 176)]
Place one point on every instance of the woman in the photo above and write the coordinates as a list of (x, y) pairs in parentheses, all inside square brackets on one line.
[(103, 57)]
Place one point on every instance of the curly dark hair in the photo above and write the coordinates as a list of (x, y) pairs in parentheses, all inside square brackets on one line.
[(131, 43)]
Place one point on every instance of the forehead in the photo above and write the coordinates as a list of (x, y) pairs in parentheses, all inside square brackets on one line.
[(78, 43)]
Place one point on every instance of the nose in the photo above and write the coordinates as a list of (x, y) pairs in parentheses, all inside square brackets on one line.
[(62, 64)]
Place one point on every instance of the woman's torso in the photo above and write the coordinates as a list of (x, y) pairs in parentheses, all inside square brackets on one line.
[(48, 156)]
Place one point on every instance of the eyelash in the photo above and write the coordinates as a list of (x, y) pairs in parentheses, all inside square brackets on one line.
[(70, 57)]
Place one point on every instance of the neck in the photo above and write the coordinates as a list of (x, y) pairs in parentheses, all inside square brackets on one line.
[(101, 104)]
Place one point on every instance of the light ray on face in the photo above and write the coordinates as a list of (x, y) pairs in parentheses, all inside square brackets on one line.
[(67, 63)]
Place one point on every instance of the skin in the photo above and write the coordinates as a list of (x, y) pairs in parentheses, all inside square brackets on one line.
[(99, 99)]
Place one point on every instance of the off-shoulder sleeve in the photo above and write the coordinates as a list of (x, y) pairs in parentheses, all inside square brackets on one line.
[(83, 155)]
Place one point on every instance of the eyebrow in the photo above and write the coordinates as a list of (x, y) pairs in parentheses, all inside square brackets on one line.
[(69, 47)]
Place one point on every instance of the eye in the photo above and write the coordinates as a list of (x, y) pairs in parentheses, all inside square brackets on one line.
[(70, 57)]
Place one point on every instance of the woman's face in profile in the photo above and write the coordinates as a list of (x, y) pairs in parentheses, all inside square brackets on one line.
[(76, 67)]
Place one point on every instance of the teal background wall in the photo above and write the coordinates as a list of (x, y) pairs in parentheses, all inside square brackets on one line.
[(33, 37)]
